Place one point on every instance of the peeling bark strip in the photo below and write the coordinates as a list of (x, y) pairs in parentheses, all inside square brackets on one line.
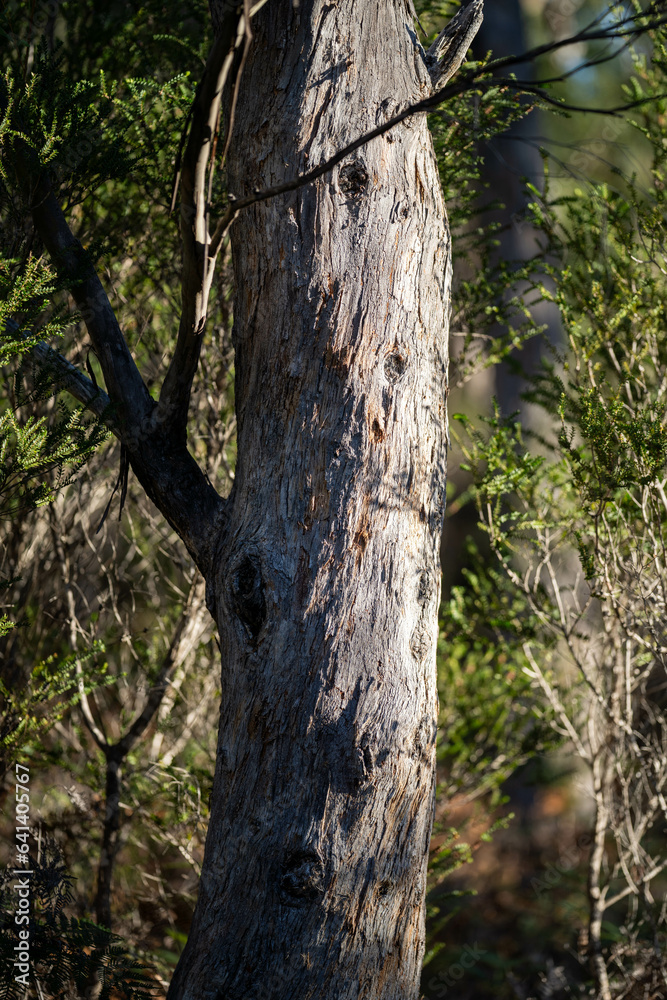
[(326, 584)]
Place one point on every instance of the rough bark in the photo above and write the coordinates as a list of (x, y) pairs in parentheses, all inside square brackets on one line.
[(326, 583)]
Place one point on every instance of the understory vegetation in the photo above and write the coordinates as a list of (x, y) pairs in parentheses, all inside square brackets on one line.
[(552, 651)]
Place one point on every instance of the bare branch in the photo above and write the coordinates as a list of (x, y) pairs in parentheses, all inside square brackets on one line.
[(74, 629), (536, 673), (125, 385), (450, 47), (190, 721), (199, 258), (596, 892), (198, 264), (648, 877), (184, 639), (77, 384)]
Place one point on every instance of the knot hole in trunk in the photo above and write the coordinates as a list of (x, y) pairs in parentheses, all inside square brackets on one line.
[(353, 178), (301, 878), (395, 366), (425, 587), (248, 595)]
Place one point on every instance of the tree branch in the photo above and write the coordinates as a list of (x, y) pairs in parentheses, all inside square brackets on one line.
[(198, 263), (65, 567), (116, 753), (199, 259), (167, 471), (180, 646), (70, 379), (77, 384), (127, 392), (627, 27), (449, 49)]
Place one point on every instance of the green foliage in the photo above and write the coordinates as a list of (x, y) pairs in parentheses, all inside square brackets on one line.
[(68, 956), (575, 515), (31, 448), (491, 718), (25, 290), (53, 687), (50, 121), (39, 454), (605, 456)]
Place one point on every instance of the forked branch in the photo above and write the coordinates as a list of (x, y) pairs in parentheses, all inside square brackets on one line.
[(166, 470)]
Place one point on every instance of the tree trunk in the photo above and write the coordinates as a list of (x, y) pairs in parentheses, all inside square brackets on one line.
[(508, 159), (110, 831), (326, 583)]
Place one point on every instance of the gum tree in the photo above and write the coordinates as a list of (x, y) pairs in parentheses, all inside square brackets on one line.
[(322, 566)]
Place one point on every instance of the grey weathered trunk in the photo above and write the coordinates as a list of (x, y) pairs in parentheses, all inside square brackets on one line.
[(327, 580)]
